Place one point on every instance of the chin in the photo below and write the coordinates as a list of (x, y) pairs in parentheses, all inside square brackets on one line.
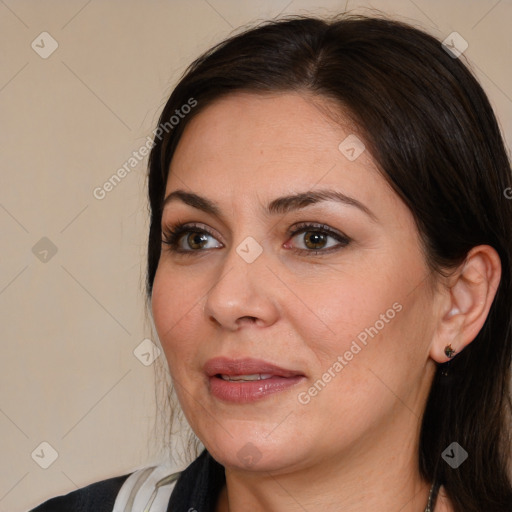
[(250, 457), (250, 449)]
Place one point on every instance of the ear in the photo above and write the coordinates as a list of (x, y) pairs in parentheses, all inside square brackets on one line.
[(466, 301)]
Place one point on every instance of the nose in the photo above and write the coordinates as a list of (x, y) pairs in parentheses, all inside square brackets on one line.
[(243, 293)]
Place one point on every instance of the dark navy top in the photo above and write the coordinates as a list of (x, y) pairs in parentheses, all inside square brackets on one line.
[(197, 487)]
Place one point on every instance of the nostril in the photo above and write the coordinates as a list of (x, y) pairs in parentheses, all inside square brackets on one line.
[(248, 318)]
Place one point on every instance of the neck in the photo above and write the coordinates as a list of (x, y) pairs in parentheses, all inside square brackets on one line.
[(380, 478)]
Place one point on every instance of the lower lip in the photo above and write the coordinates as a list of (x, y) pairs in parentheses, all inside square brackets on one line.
[(250, 391)]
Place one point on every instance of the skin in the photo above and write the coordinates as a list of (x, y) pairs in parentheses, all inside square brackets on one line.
[(354, 445)]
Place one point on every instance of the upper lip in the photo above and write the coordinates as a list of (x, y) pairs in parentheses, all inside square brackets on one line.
[(245, 366)]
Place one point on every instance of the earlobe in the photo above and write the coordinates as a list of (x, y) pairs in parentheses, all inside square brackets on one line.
[(469, 295)]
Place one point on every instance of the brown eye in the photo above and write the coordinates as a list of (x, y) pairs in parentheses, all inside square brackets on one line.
[(197, 240), (189, 239), (314, 239)]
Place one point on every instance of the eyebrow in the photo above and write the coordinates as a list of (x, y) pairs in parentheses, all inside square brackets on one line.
[(281, 205)]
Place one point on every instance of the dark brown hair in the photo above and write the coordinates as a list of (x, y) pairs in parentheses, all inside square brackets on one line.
[(430, 128)]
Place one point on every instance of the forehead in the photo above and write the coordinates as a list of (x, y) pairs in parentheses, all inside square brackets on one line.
[(249, 144), (243, 125)]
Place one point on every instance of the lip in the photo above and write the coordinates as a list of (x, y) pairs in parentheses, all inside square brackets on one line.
[(248, 391), (246, 366)]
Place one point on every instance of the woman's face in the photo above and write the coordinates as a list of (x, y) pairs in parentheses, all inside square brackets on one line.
[(332, 288)]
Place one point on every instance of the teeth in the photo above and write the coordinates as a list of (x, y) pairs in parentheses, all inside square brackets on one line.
[(254, 376)]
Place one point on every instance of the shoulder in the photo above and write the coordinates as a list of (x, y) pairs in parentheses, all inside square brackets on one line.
[(155, 488), (146, 488), (97, 497)]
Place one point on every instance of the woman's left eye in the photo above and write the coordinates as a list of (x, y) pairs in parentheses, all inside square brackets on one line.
[(317, 238)]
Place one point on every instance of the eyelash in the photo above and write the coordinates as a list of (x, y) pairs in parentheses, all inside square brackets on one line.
[(173, 234)]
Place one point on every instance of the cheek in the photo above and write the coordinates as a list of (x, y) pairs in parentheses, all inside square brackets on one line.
[(174, 303), (345, 307), (368, 316), (377, 340)]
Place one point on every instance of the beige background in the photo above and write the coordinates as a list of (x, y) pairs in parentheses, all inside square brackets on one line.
[(70, 323)]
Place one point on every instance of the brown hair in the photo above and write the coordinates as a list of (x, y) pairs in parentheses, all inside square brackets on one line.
[(430, 128)]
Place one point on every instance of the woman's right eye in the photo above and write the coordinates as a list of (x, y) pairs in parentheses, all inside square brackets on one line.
[(188, 238)]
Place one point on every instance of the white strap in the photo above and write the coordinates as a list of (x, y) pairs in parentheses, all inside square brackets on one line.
[(147, 490)]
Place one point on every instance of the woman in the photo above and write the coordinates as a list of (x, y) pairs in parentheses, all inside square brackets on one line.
[(329, 273)]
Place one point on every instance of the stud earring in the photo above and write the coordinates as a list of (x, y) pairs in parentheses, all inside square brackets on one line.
[(449, 351)]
